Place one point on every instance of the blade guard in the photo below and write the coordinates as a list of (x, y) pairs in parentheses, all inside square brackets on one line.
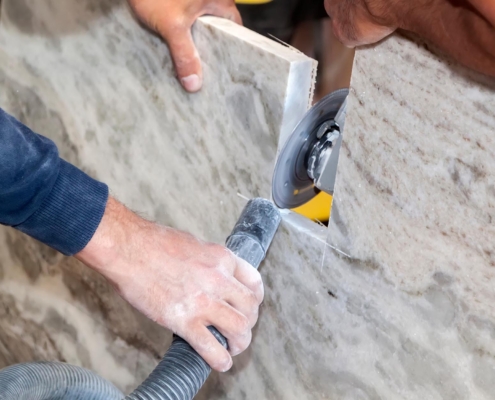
[(292, 186)]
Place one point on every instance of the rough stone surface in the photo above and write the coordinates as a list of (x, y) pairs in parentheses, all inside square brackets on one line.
[(393, 301)]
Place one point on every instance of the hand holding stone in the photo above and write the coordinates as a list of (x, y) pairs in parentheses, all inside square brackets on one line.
[(172, 20)]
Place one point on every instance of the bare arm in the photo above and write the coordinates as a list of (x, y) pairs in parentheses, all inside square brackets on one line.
[(463, 29)]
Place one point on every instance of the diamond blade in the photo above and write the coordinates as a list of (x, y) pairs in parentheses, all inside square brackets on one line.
[(291, 185)]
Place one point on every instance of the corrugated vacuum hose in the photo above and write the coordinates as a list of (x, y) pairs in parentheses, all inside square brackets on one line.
[(54, 381), (182, 371)]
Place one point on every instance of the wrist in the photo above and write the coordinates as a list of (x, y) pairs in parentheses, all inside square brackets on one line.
[(106, 245)]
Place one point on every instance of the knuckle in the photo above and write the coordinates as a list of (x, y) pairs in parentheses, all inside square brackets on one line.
[(253, 319), (217, 250), (242, 325), (254, 300), (175, 26), (226, 259), (241, 344), (258, 285), (185, 61), (253, 303), (202, 301), (261, 295), (246, 341), (338, 32), (257, 281)]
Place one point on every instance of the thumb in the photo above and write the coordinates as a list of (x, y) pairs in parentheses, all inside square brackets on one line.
[(185, 57)]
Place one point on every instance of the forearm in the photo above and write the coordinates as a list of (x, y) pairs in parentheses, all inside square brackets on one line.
[(43, 195), (462, 32)]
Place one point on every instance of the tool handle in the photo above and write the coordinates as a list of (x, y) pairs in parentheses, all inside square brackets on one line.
[(182, 371)]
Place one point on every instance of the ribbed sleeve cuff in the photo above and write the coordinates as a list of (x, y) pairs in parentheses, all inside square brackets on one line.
[(69, 216)]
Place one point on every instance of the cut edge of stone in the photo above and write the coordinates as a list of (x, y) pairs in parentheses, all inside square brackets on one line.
[(298, 97), (271, 46), (304, 225)]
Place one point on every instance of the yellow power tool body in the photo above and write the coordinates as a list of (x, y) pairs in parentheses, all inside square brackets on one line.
[(315, 206)]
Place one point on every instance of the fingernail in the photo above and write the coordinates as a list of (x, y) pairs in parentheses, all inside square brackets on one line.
[(191, 83)]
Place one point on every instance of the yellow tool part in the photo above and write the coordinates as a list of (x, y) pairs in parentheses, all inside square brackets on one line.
[(317, 209), (252, 1)]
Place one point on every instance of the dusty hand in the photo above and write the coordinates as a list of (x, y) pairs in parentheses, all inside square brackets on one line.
[(178, 281), (173, 19), (360, 22)]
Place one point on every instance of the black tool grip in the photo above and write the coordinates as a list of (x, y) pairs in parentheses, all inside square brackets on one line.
[(182, 371)]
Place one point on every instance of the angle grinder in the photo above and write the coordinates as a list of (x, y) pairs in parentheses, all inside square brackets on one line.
[(308, 162), (306, 165)]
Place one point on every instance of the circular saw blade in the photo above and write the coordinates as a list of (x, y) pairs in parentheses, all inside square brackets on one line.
[(291, 185)]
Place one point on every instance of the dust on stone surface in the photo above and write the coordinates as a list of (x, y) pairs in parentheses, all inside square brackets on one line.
[(99, 297), (34, 344), (90, 291), (31, 255)]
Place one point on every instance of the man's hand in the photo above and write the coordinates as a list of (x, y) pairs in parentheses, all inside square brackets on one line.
[(178, 281), (464, 29), (360, 22), (172, 20)]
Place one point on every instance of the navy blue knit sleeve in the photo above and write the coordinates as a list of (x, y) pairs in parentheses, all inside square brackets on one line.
[(43, 195)]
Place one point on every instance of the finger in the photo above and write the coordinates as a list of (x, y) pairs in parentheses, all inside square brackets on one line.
[(185, 56), (233, 14), (233, 325), (208, 347), (246, 274), (243, 300)]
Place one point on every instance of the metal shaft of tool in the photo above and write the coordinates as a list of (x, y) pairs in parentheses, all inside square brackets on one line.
[(182, 371)]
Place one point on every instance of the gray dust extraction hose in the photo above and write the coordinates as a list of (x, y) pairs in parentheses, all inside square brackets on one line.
[(54, 381), (182, 371)]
